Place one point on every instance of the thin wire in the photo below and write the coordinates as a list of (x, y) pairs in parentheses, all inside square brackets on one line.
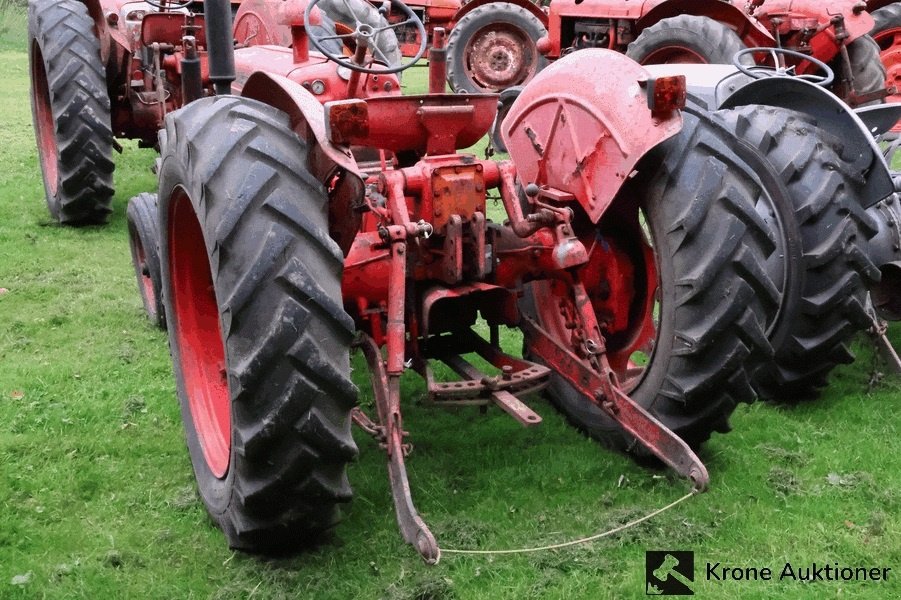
[(579, 541)]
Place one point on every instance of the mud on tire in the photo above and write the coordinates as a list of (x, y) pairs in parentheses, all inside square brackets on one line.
[(714, 292), (816, 324), (258, 334), (71, 111)]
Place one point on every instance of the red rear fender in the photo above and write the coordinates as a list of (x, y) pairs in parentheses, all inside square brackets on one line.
[(582, 125)]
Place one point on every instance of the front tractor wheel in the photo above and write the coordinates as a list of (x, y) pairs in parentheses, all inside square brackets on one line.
[(144, 241), (686, 39), (258, 334), (70, 107), (677, 277), (493, 48)]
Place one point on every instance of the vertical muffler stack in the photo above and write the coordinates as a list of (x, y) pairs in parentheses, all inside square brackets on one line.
[(220, 43)]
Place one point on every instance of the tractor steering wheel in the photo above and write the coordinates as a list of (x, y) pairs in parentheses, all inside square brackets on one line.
[(163, 5), (365, 34), (761, 72)]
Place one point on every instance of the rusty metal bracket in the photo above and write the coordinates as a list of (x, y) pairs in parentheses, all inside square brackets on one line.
[(601, 389)]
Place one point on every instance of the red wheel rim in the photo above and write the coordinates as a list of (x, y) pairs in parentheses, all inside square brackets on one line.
[(198, 333), (500, 56), (675, 55), (889, 41), (621, 281), (44, 123)]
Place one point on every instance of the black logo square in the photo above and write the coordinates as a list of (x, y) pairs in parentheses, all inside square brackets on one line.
[(669, 572)]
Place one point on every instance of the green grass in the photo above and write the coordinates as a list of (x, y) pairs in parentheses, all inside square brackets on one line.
[(97, 497)]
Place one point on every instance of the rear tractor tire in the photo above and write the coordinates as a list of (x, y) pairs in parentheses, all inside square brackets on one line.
[(493, 47), (685, 39), (697, 332), (867, 70), (141, 218), (827, 303), (259, 337), (70, 107)]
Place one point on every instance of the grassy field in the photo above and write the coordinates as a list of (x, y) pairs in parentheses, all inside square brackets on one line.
[(97, 498)]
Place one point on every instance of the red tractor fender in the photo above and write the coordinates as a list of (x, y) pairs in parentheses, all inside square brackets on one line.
[(581, 126), (526, 4), (305, 111), (747, 28), (100, 12)]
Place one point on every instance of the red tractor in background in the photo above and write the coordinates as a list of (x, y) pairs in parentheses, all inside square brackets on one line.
[(102, 69), (645, 254), (662, 31)]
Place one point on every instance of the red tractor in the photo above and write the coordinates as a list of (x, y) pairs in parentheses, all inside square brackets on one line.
[(102, 69), (662, 31), (643, 253), (705, 31)]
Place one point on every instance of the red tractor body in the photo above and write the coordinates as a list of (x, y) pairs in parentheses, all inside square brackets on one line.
[(615, 24), (143, 51), (658, 31)]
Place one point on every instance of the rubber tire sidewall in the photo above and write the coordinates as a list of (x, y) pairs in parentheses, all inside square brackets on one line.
[(216, 492)]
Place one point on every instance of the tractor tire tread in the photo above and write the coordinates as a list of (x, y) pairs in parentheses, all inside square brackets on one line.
[(76, 81), (287, 336), (834, 231), (704, 34), (866, 67)]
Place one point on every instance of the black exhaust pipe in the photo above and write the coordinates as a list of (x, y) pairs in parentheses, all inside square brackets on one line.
[(220, 43)]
